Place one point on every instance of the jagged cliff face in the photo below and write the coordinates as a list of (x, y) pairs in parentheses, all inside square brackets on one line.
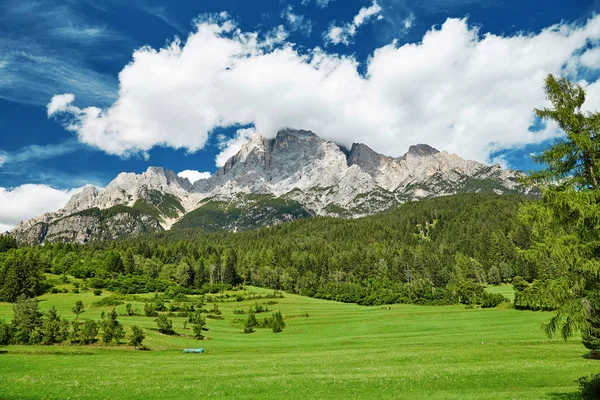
[(295, 175)]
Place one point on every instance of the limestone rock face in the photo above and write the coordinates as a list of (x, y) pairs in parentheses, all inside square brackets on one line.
[(296, 166)]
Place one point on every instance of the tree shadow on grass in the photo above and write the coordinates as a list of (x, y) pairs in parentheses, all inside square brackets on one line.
[(565, 396)]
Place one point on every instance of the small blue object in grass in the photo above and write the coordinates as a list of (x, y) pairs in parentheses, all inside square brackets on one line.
[(193, 350)]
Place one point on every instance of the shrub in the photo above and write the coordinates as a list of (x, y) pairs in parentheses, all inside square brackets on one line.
[(97, 292), (251, 323), (590, 387), (108, 301), (491, 300), (89, 332), (5, 333), (150, 310), (165, 325), (55, 290), (137, 336), (76, 290)]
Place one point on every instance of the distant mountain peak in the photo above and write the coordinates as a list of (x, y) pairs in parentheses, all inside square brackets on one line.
[(295, 169), (422, 150)]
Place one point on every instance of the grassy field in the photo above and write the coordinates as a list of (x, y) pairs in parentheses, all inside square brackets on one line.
[(338, 351)]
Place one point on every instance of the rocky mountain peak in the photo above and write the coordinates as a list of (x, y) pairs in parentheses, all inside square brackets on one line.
[(422, 150), (296, 165)]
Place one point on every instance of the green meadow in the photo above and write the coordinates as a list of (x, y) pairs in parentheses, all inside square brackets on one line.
[(337, 351)]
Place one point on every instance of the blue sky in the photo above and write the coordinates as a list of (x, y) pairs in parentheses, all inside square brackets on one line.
[(462, 75)]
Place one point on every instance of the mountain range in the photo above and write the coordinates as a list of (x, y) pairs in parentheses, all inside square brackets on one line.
[(295, 175)]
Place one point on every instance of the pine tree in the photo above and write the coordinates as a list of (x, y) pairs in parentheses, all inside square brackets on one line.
[(251, 323), (137, 336), (564, 224), (78, 308)]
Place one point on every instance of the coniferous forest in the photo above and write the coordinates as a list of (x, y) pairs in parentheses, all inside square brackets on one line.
[(438, 251)]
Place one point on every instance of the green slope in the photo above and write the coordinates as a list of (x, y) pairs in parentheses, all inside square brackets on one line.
[(244, 213)]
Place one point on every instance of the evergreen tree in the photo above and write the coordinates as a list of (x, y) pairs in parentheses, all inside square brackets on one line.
[(7, 242), (165, 325), (27, 321), (51, 327), (78, 308), (278, 323), (251, 323), (563, 224), (198, 323), (89, 332), (137, 336)]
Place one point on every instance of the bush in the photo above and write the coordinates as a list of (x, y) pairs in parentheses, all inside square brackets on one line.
[(55, 290), (165, 325), (76, 290), (491, 300), (150, 310), (590, 387), (109, 301), (137, 336), (97, 292)]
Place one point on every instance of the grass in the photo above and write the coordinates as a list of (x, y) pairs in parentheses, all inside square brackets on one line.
[(338, 351)]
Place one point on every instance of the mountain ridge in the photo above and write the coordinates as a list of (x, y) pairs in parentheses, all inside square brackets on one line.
[(313, 175)]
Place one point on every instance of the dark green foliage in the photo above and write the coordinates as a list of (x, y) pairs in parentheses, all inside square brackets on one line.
[(493, 276), (491, 300), (78, 308), (137, 336), (165, 325), (21, 273), (590, 387), (108, 301), (255, 211), (97, 292), (7, 242), (51, 327), (112, 329), (75, 334), (251, 323), (198, 324), (564, 224), (277, 323), (89, 331), (27, 322), (5, 333), (371, 261), (150, 310), (131, 311)]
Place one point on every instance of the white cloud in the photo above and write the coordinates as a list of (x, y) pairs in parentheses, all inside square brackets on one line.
[(456, 90), (39, 152), (408, 22), (319, 3), (591, 58), (194, 176), (230, 147), (28, 201), (344, 34), (297, 22)]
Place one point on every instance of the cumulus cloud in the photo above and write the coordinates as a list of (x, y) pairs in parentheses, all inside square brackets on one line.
[(297, 22), (344, 34), (29, 201), (457, 89), (193, 175), (230, 147)]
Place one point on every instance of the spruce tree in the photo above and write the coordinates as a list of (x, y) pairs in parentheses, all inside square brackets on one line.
[(563, 224)]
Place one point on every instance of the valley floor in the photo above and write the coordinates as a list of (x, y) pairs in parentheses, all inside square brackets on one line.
[(338, 351)]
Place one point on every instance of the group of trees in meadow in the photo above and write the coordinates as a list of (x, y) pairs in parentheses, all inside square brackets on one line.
[(31, 326)]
